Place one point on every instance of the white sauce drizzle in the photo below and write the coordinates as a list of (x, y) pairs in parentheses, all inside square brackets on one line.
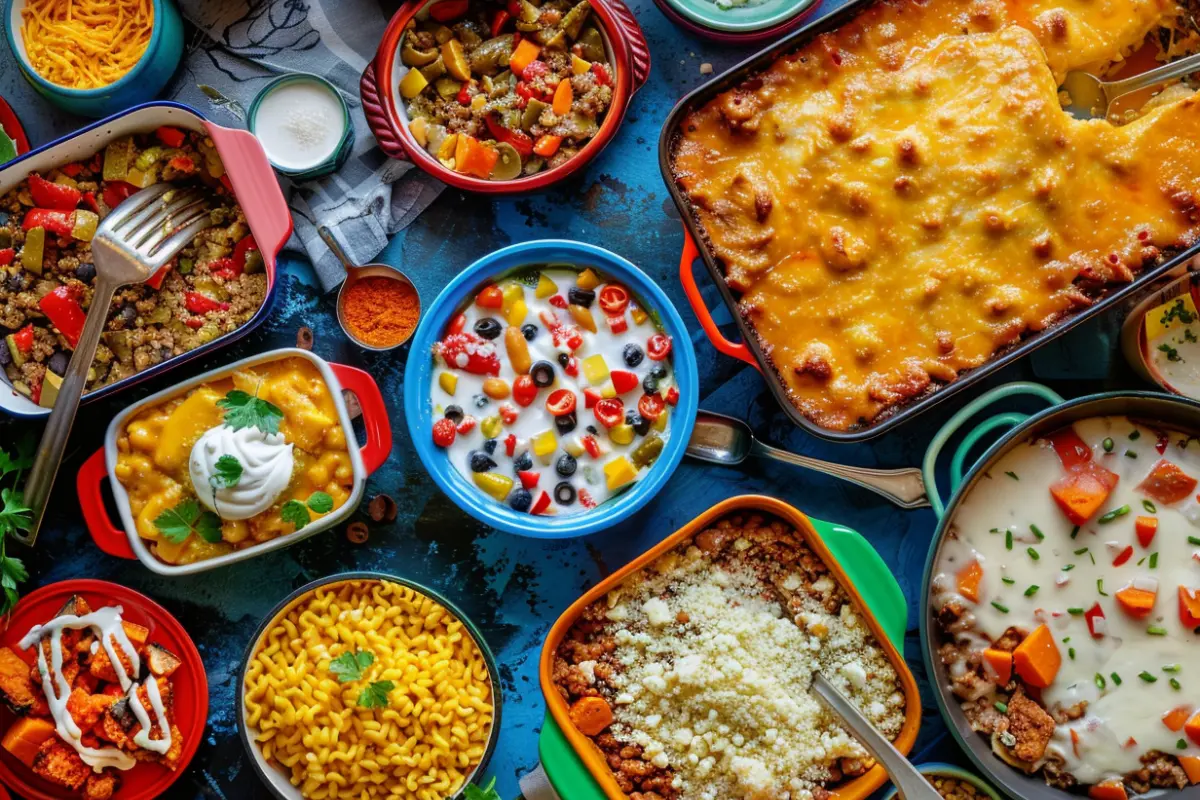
[(106, 622)]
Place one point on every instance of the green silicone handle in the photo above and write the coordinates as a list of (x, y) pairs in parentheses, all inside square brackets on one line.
[(1006, 420), (863, 566)]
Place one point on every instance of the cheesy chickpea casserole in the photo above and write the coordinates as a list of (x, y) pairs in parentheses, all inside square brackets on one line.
[(692, 676), (235, 462), (904, 197)]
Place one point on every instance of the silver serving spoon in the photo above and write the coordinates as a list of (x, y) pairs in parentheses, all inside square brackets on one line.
[(133, 242), (908, 780), (1091, 96), (719, 439)]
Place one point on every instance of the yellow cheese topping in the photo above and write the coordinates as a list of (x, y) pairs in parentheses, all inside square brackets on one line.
[(904, 197)]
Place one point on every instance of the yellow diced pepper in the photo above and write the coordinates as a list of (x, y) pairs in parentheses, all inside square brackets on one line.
[(512, 292), (588, 279), (516, 313), (545, 287), (595, 369), (638, 315), (608, 391), (490, 427), (544, 444), (446, 149), (412, 84), (660, 424), (448, 381), (621, 434), (579, 65), (619, 472), (496, 485)]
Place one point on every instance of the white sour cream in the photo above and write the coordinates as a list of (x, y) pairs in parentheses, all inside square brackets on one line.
[(1124, 717), (267, 462), (300, 124)]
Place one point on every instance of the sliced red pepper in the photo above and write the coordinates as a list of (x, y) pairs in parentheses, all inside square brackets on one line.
[(672, 396), (7, 255), (585, 499), (617, 324), (1096, 622), (572, 367), (89, 200), (1123, 557), (24, 339), (56, 196), (558, 301), (35, 394), (519, 140), (201, 304), (115, 192), (614, 299), (510, 444), (651, 406), (60, 223), (447, 10), (195, 323), (1161, 443), (623, 380), (1070, 448), (72, 170), (464, 95), (609, 412), (560, 402), (498, 22), (1145, 527), (226, 268), (541, 504), (1189, 607), (590, 398), (529, 479), (61, 307), (508, 413), (470, 352), (155, 281), (514, 8), (171, 137)]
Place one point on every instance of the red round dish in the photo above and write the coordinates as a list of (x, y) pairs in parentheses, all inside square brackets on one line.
[(631, 57), (144, 781), (12, 126)]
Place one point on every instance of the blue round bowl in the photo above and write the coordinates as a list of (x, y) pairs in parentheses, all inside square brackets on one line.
[(147, 78), (418, 375)]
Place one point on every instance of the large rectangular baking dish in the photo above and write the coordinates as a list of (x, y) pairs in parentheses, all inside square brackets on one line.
[(574, 765), (250, 179), (749, 349)]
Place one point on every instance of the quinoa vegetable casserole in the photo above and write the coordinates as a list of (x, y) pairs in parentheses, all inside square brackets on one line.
[(691, 676), (904, 197), (47, 222)]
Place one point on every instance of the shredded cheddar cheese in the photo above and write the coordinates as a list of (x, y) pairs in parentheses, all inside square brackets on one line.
[(86, 44)]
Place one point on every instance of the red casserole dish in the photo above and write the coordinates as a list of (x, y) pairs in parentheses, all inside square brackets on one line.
[(627, 51), (251, 180)]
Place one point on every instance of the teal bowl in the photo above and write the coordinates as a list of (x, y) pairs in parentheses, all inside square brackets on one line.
[(752, 17), (933, 769), (147, 78)]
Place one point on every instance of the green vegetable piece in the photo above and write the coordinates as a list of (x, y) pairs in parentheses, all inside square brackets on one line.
[(320, 502), (34, 250), (295, 512), (591, 45), (50, 386), (645, 453), (572, 23), (148, 158), (491, 56), (533, 112), (434, 70), (413, 57), (118, 158), (447, 87), (18, 358)]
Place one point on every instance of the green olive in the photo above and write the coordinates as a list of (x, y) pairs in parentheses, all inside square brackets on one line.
[(412, 57), (492, 56), (533, 113), (645, 453), (509, 164)]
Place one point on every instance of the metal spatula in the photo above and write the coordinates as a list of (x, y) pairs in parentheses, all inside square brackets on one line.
[(1091, 97), (133, 242)]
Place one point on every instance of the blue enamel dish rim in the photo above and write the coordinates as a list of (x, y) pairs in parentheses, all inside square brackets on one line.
[(418, 407)]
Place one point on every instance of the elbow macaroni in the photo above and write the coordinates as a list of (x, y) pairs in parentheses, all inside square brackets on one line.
[(422, 746)]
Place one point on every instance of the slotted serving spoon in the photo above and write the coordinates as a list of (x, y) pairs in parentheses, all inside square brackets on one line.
[(727, 441), (1091, 96), (904, 775), (133, 242)]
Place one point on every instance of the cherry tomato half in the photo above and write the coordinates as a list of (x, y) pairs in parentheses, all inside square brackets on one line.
[(490, 297), (560, 402), (651, 406), (614, 299), (609, 412), (659, 347)]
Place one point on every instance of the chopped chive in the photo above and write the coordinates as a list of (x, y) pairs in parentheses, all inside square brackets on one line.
[(1012, 475), (1074, 531), (1116, 679), (1009, 581), (1032, 590), (1133, 437), (1100, 682), (994, 530), (1037, 532), (1003, 609), (1100, 587), (1154, 561), (1156, 630), (1130, 454), (1141, 561), (1008, 540), (1194, 540), (1172, 668), (1114, 514), (1068, 567), (1075, 612), (1181, 745), (1066, 640), (1081, 551), (1071, 652), (1093, 558), (1175, 684), (1003, 708), (1032, 553), (1108, 445), (1147, 677), (1146, 504)]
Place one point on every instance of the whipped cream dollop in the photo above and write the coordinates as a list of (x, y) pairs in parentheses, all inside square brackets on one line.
[(266, 460)]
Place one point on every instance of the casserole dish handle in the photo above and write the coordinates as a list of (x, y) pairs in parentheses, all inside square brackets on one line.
[(89, 483), (1004, 421), (635, 40), (377, 117), (375, 417), (688, 279)]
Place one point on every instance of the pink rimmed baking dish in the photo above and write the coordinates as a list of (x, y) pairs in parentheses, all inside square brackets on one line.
[(250, 179), (124, 542)]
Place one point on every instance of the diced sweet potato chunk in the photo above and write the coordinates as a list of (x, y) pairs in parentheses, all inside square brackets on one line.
[(16, 685), (1167, 483), (1036, 659), (1083, 490), (25, 736)]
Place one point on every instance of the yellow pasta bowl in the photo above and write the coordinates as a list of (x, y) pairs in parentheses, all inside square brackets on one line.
[(95, 58), (370, 685)]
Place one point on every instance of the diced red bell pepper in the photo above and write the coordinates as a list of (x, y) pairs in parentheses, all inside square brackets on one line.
[(535, 69), (72, 170), (1146, 527), (1096, 621), (541, 504), (585, 499), (1167, 483), (89, 200), (1160, 444), (623, 381), (56, 196), (61, 307), (464, 95), (510, 444), (529, 479), (195, 323), (1189, 607), (202, 304), (60, 223), (499, 21), (448, 10), (1071, 449), (572, 367), (35, 393), (513, 7), (183, 164), (1123, 557), (519, 140), (7, 255), (617, 324), (672, 396), (560, 332), (558, 301), (115, 192), (601, 73), (456, 325), (226, 268), (547, 145), (171, 137), (24, 339), (590, 398), (242, 250), (155, 281), (470, 352)]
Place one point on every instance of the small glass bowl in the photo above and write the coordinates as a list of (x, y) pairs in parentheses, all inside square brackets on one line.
[(337, 158)]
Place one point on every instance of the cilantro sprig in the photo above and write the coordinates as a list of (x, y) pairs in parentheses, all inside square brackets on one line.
[(228, 473), (375, 695), (176, 524), (14, 516), (244, 410), (351, 665), (296, 512)]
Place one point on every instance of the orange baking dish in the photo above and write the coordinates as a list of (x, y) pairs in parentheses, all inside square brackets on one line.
[(877, 596)]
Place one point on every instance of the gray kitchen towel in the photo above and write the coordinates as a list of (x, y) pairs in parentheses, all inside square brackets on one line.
[(243, 45)]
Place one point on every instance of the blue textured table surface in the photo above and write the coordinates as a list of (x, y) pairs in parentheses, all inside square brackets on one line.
[(513, 587)]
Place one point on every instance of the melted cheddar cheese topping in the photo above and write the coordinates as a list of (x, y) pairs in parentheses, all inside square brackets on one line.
[(904, 197)]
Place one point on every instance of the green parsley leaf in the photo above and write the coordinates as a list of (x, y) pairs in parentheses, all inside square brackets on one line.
[(229, 472), (15, 515), (177, 523), (295, 512), (320, 502), (349, 666), (243, 410), (376, 694), (472, 792)]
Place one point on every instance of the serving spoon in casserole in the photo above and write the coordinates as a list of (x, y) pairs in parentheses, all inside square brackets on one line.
[(1091, 97)]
